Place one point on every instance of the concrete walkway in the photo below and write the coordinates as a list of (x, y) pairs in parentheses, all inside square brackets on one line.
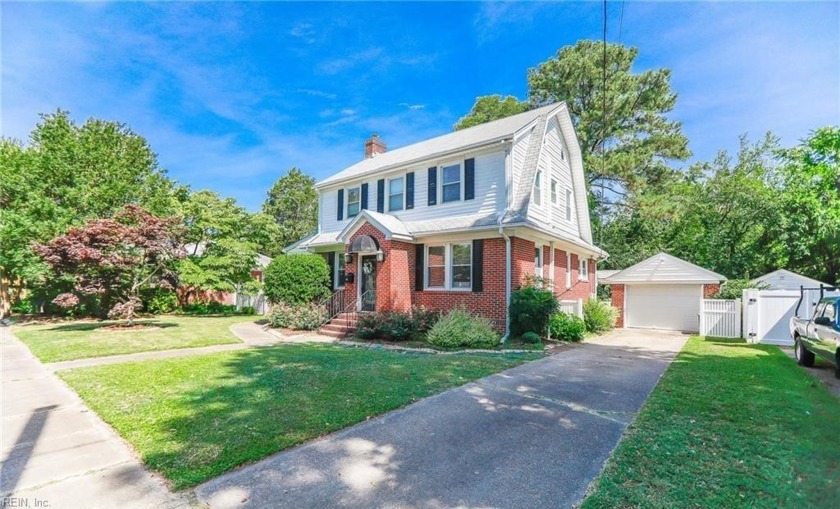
[(250, 333), (58, 453), (532, 436)]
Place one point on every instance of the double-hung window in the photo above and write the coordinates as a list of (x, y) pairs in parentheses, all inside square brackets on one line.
[(538, 260), (451, 183), (553, 192), (354, 201), (449, 266), (396, 193), (583, 268), (538, 188), (568, 270)]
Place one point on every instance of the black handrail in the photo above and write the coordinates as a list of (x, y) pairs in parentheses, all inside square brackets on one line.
[(822, 288)]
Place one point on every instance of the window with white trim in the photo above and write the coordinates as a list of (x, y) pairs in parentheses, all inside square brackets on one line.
[(396, 193), (449, 266), (553, 192), (568, 270), (450, 183), (583, 268), (354, 201), (538, 260), (538, 188), (339, 269), (568, 204)]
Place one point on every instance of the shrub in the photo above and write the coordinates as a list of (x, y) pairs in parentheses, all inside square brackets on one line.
[(207, 308), (599, 316), (566, 327), (247, 310), (387, 325), (289, 316), (424, 319), (158, 301), (530, 309), (462, 329), (297, 279), (24, 306), (530, 337), (734, 289)]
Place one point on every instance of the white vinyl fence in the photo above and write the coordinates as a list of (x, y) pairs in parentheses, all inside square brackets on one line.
[(767, 313), (720, 318), (257, 302)]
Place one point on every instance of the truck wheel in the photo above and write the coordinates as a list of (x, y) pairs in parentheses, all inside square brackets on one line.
[(803, 356), (837, 364)]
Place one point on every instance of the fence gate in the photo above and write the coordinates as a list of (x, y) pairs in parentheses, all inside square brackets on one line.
[(767, 313), (720, 318), (257, 302)]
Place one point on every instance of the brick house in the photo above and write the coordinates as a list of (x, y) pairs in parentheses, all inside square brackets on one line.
[(461, 219)]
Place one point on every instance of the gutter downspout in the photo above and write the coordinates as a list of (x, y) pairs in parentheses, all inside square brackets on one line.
[(507, 243)]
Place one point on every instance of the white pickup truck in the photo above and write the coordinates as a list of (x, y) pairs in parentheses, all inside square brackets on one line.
[(819, 334)]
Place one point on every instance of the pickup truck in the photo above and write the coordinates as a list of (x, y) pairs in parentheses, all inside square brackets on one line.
[(819, 334)]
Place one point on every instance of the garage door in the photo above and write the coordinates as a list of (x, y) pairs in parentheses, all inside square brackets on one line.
[(674, 307)]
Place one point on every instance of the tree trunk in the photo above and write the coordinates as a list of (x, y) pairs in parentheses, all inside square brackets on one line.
[(5, 297)]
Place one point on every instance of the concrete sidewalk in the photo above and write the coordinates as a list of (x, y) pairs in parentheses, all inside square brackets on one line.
[(530, 437), (57, 453)]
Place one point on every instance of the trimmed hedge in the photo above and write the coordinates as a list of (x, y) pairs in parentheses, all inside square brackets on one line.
[(530, 309), (297, 279), (289, 316)]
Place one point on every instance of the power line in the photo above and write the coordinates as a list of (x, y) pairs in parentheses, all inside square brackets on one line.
[(603, 128), (620, 21)]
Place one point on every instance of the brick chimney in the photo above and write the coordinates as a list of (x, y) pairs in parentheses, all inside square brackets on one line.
[(374, 146)]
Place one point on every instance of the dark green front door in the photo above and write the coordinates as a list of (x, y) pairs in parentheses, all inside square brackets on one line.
[(368, 286)]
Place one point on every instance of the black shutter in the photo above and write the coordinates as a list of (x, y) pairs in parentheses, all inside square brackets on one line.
[(364, 196), (409, 190), (478, 265), (331, 263), (432, 186), (469, 179), (419, 274), (340, 204), (380, 195)]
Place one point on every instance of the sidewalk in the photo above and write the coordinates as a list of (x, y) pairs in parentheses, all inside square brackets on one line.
[(57, 453)]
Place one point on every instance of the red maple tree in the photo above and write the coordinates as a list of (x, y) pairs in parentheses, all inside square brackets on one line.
[(115, 258)]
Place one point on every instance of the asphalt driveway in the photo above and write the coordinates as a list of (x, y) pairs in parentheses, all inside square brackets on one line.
[(533, 436)]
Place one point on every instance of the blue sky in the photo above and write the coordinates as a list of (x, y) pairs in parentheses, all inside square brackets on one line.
[(230, 95)]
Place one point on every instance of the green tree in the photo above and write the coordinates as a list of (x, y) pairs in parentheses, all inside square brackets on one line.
[(66, 175), (810, 174), (221, 243), (293, 203), (489, 108)]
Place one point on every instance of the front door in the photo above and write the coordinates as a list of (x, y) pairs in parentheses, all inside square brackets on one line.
[(368, 286)]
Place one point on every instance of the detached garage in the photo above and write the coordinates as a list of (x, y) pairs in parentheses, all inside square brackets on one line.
[(662, 292)]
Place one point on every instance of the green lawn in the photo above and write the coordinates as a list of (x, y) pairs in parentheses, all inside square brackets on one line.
[(729, 425), (64, 341), (193, 418)]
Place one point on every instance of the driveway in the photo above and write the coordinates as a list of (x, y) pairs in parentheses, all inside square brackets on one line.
[(530, 437)]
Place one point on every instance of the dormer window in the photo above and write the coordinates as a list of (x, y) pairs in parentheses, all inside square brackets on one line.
[(354, 201), (451, 183)]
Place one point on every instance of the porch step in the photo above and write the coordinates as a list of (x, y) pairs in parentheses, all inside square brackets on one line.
[(342, 326)]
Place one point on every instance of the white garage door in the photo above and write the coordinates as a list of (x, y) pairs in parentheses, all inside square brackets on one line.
[(674, 307)]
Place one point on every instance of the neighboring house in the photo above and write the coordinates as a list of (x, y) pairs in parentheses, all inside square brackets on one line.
[(786, 280), (461, 219), (662, 292)]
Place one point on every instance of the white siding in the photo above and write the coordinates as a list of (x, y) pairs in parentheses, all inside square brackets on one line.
[(520, 148), (555, 156), (489, 192)]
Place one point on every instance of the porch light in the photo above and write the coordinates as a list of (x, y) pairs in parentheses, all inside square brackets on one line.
[(348, 257), (380, 256)]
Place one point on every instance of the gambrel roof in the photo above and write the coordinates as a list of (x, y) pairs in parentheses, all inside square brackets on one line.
[(458, 141), (663, 268)]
